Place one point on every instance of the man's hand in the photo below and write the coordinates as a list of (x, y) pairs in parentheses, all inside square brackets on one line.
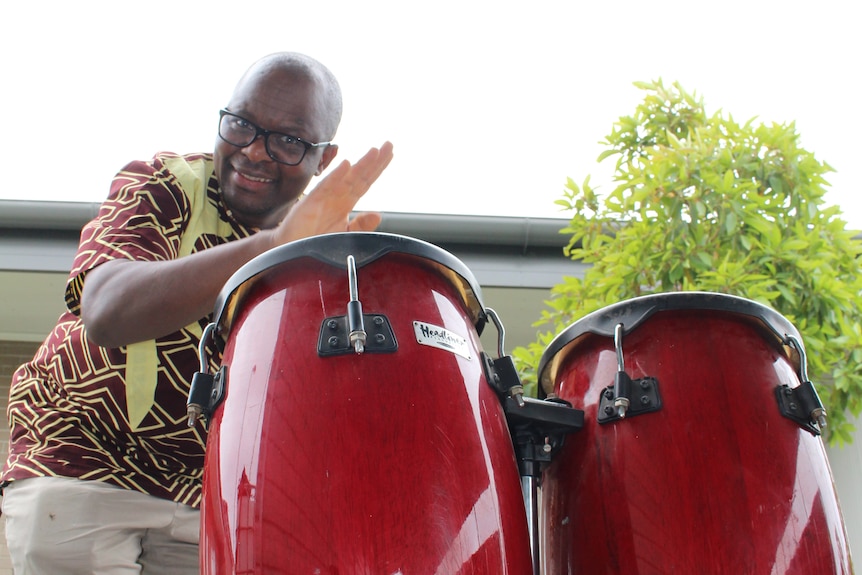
[(326, 209)]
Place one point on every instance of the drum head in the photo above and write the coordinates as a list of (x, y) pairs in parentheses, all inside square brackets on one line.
[(633, 312), (332, 250)]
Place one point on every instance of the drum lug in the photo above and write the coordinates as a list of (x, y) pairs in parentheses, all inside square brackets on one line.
[(644, 398), (501, 372), (205, 394), (206, 390), (355, 332), (802, 405), (503, 377), (335, 333), (198, 402)]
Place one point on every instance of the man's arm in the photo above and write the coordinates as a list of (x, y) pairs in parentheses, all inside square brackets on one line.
[(127, 301)]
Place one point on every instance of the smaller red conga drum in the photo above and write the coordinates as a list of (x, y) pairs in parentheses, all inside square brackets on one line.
[(357, 432), (700, 451)]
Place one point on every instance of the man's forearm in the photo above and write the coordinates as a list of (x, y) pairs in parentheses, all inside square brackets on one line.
[(128, 301)]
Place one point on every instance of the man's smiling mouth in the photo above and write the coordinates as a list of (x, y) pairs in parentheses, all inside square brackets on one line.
[(253, 178)]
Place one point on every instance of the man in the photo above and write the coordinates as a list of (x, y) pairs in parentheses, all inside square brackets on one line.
[(104, 474)]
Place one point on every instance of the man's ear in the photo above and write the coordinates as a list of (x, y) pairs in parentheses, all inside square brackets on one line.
[(329, 153)]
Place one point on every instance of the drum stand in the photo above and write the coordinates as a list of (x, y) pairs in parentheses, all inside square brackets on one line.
[(538, 429)]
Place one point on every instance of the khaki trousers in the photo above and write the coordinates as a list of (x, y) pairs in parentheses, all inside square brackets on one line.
[(60, 526)]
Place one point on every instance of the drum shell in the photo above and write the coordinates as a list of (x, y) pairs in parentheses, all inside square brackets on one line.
[(716, 481), (373, 463)]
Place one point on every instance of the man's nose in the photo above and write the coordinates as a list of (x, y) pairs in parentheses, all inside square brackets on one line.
[(256, 151)]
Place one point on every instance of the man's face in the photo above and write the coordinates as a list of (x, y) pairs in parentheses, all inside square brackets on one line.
[(258, 190)]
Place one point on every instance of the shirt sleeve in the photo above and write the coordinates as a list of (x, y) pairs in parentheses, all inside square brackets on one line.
[(142, 219)]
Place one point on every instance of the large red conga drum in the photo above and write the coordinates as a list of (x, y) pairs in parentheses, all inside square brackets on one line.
[(391, 457), (713, 468)]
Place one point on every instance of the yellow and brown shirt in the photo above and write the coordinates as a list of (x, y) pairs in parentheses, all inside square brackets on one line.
[(119, 415)]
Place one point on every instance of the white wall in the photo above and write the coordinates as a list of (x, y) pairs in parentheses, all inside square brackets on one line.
[(846, 464)]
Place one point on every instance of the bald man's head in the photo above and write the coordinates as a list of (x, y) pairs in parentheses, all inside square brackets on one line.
[(299, 66)]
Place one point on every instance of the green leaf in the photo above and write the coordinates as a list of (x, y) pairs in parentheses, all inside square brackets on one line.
[(730, 223), (728, 179)]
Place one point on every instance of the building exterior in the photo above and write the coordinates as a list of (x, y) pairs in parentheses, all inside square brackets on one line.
[(514, 260)]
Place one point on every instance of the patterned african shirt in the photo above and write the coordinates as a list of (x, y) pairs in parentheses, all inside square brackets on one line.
[(119, 415)]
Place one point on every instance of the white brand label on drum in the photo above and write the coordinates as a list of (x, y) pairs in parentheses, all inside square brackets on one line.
[(435, 336)]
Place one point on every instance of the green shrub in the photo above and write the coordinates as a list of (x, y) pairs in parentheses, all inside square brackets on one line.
[(704, 203)]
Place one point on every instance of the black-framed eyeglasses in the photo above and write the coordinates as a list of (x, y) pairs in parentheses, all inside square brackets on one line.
[(283, 148)]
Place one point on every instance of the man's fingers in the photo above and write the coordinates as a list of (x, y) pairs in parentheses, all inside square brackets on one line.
[(327, 207), (366, 171), (352, 181)]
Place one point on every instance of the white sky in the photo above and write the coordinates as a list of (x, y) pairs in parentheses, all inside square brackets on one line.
[(491, 105)]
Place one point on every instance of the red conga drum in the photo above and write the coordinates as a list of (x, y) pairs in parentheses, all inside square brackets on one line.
[(712, 465), (383, 454)]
